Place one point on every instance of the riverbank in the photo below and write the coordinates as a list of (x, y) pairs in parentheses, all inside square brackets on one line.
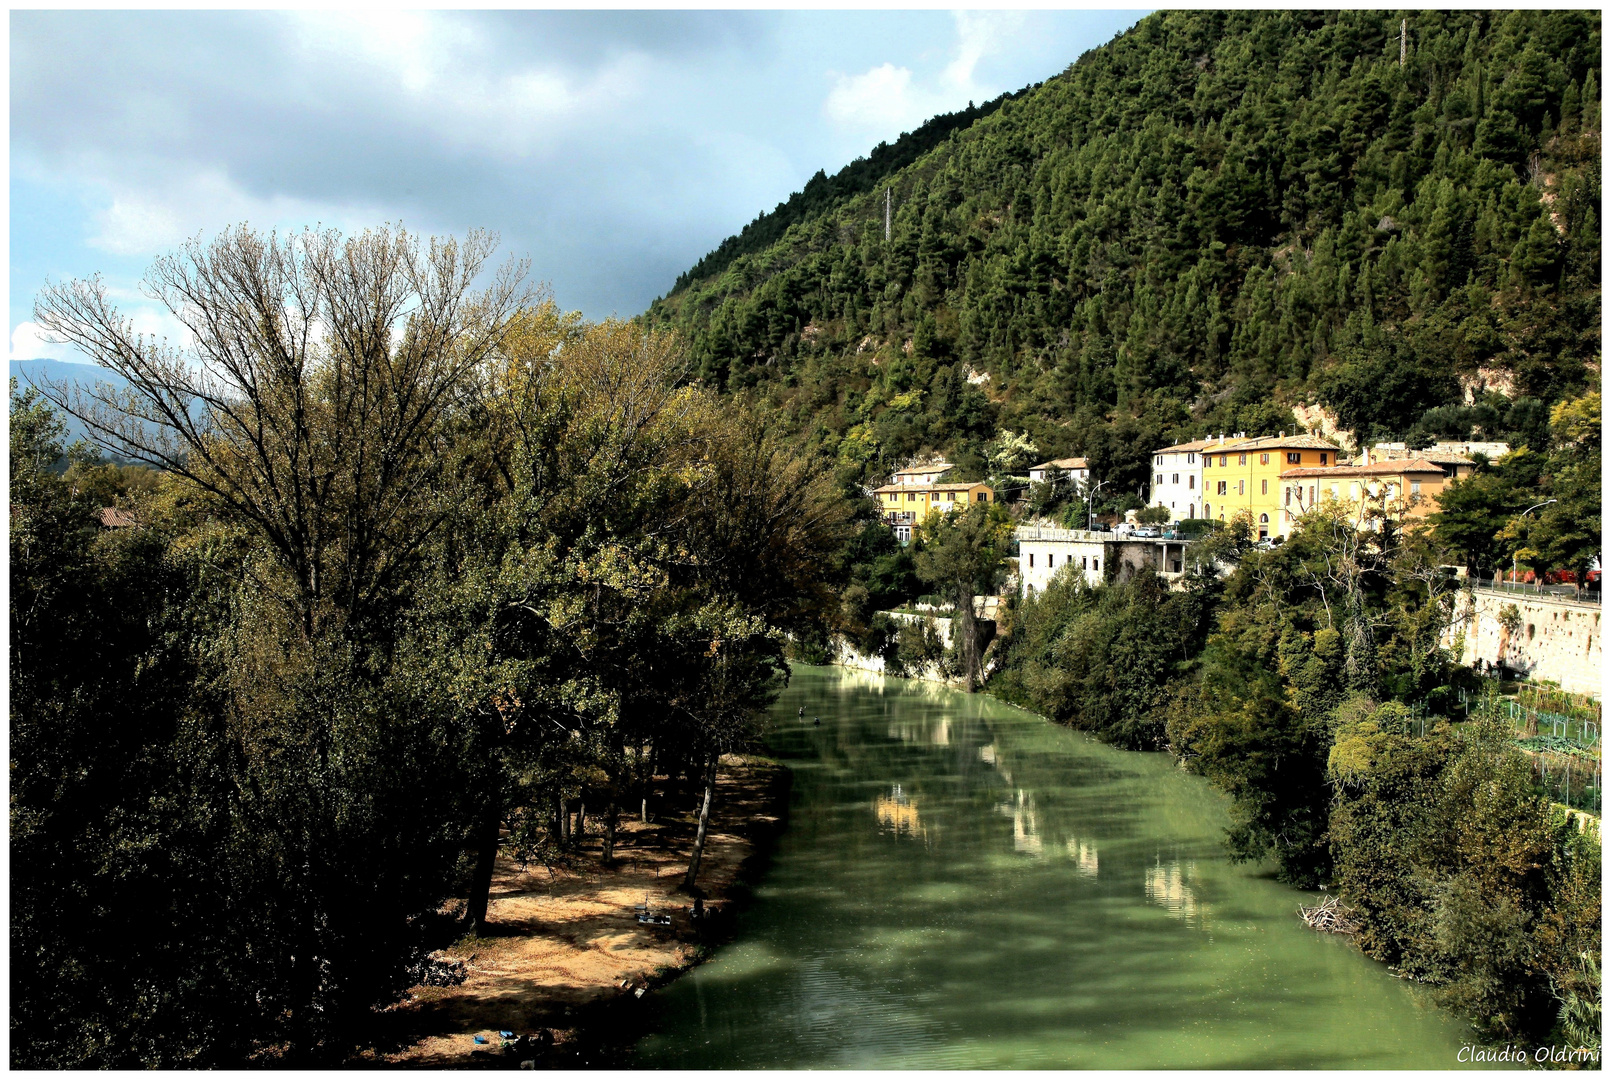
[(565, 962)]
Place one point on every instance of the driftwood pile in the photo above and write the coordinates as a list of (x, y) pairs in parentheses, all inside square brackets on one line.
[(1329, 917)]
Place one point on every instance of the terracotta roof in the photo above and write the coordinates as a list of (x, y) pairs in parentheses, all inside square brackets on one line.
[(1380, 468), (1284, 442), (916, 490), (1195, 445), (1063, 463), (1444, 457), (113, 518), (938, 467)]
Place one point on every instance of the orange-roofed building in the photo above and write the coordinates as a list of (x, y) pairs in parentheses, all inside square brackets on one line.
[(1399, 490)]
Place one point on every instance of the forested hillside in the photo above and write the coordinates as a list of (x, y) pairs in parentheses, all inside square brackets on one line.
[(1213, 218)]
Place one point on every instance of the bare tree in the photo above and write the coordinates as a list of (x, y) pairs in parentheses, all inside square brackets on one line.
[(310, 396)]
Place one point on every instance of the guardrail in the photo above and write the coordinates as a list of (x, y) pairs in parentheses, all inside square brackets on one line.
[(1552, 592)]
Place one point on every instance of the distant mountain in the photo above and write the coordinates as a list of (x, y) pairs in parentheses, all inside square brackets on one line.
[(38, 373), (1214, 218)]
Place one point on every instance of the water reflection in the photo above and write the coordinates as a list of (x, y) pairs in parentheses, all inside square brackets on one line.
[(1025, 834), (898, 814), (1085, 859), (866, 950), (1166, 886)]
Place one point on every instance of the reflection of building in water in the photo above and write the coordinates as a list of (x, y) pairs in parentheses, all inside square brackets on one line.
[(1084, 856), (1025, 826), (1166, 886), (923, 732), (898, 814)]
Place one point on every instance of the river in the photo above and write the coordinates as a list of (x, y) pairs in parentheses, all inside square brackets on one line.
[(964, 885)]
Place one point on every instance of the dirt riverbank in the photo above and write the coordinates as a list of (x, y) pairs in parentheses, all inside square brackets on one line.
[(565, 962)]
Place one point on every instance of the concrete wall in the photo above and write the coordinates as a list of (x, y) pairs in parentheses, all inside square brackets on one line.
[(1559, 639)]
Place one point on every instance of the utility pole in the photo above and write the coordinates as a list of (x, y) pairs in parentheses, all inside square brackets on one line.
[(1403, 41), (886, 214)]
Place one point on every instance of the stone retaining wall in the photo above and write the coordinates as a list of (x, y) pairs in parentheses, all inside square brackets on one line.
[(1558, 639)]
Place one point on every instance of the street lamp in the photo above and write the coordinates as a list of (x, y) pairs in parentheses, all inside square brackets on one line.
[(1523, 514), (1090, 504)]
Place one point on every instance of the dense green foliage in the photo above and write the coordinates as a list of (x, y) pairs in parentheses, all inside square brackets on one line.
[(823, 192), (1215, 217), (432, 584), (1539, 507)]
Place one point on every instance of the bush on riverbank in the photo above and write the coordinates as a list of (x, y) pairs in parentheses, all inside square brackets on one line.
[(1463, 877)]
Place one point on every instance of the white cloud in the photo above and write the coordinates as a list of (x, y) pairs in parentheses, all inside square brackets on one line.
[(144, 221), (28, 343), (878, 98), (886, 99), (979, 34)]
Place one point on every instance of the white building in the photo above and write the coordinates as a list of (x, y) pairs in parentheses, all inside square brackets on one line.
[(922, 475), (1075, 468), (1177, 479), (1045, 552)]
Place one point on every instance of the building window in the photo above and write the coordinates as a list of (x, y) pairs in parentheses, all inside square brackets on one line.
[(1264, 487), (911, 496), (1289, 497), (1158, 459), (1191, 459), (1292, 459), (1222, 461), (1191, 483), (1208, 510), (1096, 564), (1241, 487), (1264, 459), (1160, 479), (1415, 487), (1082, 563), (1174, 478), (981, 497), (1221, 489), (950, 496), (1032, 560), (1322, 459), (1241, 459)]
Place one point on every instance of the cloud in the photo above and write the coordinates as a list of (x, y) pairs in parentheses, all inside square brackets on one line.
[(878, 98), (28, 343), (142, 219), (885, 100), (615, 147)]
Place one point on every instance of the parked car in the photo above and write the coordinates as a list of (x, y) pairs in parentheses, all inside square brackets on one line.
[(1099, 526), (1148, 532)]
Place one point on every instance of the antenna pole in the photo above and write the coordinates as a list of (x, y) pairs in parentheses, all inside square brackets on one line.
[(1403, 40), (886, 214)]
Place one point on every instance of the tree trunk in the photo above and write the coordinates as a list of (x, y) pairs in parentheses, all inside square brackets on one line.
[(969, 641), (475, 908), (564, 821), (704, 823), (581, 821)]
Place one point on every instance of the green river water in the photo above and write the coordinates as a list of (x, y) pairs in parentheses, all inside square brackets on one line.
[(964, 885)]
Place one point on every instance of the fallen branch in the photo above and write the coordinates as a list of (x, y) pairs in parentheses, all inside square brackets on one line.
[(1329, 917)]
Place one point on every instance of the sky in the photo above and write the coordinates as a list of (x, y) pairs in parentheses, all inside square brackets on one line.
[(611, 148)]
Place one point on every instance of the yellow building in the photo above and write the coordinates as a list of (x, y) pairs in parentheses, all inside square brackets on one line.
[(904, 505), (1246, 475)]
